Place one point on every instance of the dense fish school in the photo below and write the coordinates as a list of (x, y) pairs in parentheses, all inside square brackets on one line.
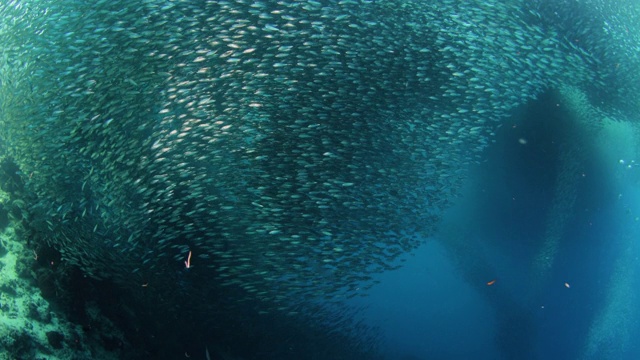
[(289, 148)]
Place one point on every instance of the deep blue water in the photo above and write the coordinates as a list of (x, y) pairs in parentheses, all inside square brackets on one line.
[(438, 305), (426, 310)]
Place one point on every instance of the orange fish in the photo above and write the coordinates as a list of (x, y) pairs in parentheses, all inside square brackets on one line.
[(491, 282)]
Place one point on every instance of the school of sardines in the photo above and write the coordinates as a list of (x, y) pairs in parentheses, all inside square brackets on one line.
[(277, 151)]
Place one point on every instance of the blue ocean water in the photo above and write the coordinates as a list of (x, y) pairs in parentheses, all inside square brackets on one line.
[(426, 310), (485, 300)]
